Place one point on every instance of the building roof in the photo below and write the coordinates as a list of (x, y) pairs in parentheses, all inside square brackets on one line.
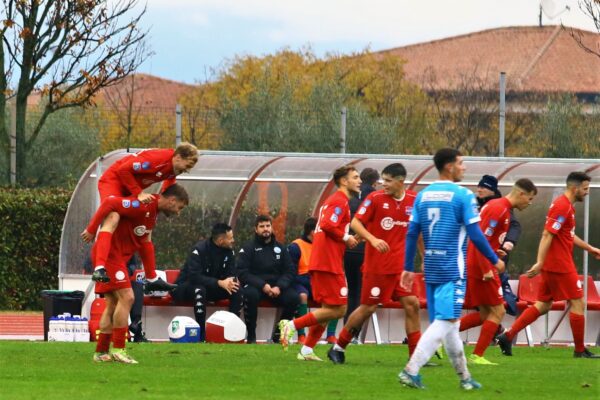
[(536, 59)]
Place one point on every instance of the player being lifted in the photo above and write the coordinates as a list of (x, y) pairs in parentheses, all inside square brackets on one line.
[(445, 214), (326, 264), (484, 289), (382, 220)]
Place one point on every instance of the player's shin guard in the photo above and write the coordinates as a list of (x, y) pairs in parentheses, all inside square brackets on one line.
[(488, 330), (578, 328), (345, 338), (304, 321), (148, 259), (119, 337), (102, 248), (314, 334), (103, 344)]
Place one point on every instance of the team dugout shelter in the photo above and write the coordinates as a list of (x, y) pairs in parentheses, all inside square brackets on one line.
[(234, 187)]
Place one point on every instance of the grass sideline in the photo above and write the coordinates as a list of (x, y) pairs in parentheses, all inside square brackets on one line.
[(40, 370)]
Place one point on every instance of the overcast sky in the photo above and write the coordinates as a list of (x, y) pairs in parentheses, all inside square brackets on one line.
[(190, 37)]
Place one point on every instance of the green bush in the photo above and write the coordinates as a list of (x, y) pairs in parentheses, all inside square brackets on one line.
[(30, 228)]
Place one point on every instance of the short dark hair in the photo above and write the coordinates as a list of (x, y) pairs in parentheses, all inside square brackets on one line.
[(369, 176), (577, 178), (262, 218), (341, 172), (395, 170), (309, 225), (218, 229), (445, 156), (178, 192), (526, 185)]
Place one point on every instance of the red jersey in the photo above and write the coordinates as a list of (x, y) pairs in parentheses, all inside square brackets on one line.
[(495, 221), (136, 223), (560, 221), (328, 240), (386, 218), (137, 171)]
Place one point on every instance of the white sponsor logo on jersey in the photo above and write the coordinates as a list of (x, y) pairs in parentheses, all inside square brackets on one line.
[(437, 196), (362, 210), (139, 230), (388, 223), (375, 291), (126, 203), (344, 291), (120, 275)]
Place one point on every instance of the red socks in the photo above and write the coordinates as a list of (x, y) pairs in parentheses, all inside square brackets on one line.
[(470, 321), (314, 334), (305, 320), (413, 340), (147, 255), (102, 248), (103, 343), (578, 328), (344, 338), (528, 316), (488, 330), (119, 337)]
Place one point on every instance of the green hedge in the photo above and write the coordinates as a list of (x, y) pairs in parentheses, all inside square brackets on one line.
[(30, 226)]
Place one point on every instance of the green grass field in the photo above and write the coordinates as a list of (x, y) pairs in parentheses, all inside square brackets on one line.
[(38, 370)]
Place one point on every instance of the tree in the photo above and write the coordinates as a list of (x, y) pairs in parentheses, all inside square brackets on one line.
[(66, 49), (591, 8)]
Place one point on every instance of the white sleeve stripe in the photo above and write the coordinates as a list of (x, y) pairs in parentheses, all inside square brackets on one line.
[(474, 219)]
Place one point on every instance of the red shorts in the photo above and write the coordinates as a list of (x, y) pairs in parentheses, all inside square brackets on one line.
[(556, 286), (329, 288), (107, 189), (119, 279), (379, 288), (483, 293)]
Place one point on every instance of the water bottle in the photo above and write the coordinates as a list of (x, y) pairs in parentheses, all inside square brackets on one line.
[(53, 329)]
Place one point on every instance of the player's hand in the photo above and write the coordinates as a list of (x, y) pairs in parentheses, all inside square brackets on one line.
[(406, 280), (267, 289), (488, 276), (533, 271), (275, 291), (145, 197), (501, 253), (508, 246), (595, 252), (229, 285), (380, 245), (500, 266), (87, 237), (351, 242)]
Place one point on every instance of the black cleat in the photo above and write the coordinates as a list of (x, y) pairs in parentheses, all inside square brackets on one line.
[(99, 275), (585, 354), (158, 285), (505, 344), (336, 356)]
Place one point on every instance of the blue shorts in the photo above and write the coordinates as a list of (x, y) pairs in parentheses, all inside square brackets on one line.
[(445, 300), (302, 285)]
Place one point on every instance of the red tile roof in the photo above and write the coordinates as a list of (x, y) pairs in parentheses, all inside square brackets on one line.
[(536, 59)]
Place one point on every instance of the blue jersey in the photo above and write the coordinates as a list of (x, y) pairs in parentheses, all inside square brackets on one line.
[(441, 213)]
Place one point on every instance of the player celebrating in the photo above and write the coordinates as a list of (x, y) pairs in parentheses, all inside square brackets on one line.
[(382, 220), (555, 261), (129, 177), (484, 289), (134, 230), (444, 213), (326, 264)]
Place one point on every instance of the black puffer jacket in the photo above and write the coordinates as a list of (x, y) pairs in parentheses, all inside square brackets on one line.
[(259, 263)]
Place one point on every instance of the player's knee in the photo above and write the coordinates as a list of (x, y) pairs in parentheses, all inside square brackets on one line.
[(340, 311), (111, 222)]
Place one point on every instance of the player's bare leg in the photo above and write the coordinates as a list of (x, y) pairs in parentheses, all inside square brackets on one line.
[(104, 338), (527, 317), (121, 326)]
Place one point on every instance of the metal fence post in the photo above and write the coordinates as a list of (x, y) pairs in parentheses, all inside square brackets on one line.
[(502, 113), (343, 131), (177, 125)]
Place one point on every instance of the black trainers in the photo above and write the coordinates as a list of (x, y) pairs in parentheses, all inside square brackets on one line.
[(505, 344), (158, 285), (140, 338), (585, 354), (336, 356), (99, 275)]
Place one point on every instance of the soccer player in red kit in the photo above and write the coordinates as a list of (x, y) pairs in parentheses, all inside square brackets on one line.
[(484, 289), (137, 220), (555, 262), (382, 220), (326, 264), (129, 176)]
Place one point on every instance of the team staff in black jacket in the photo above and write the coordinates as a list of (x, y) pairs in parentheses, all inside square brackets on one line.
[(266, 273), (209, 275)]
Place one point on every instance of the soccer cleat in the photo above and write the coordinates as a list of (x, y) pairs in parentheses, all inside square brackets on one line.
[(308, 357), (470, 384), (102, 357), (336, 356), (158, 285), (99, 275), (439, 353), (301, 339), (505, 344), (479, 360), (585, 354), (411, 381), (122, 357), (286, 333)]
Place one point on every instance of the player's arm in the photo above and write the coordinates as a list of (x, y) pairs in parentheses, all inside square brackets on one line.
[(543, 248), (594, 251), (330, 223), (357, 226), (295, 254), (421, 249), (412, 237), (126, 174), (167, 183)]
